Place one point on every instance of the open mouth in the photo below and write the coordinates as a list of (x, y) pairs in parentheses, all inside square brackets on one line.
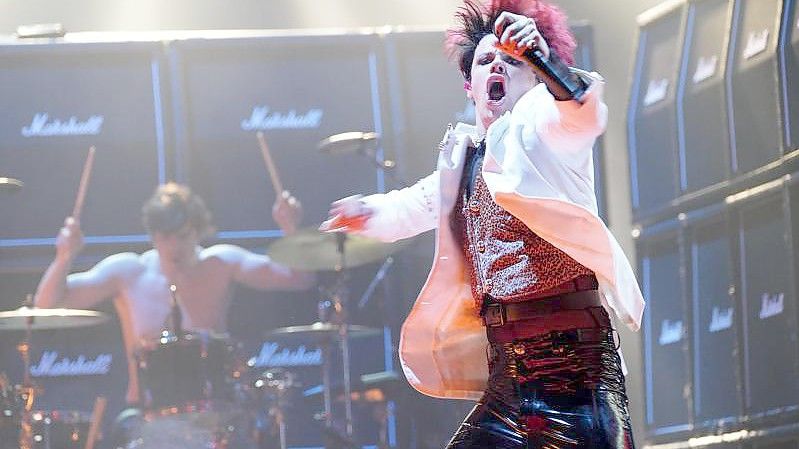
[(496, 88)]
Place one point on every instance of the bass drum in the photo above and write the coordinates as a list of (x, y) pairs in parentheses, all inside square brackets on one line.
[(189, 373)]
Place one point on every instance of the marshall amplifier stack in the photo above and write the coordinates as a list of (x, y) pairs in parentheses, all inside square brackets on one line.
[(713, 155)]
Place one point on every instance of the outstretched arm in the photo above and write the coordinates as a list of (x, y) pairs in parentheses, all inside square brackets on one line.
[(260, 272), (389, 216)]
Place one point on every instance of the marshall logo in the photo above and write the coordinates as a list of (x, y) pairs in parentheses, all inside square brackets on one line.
[(670, 332), (722, 319), (705, 68), (756, 43), (42, 125), (771, 305), (262, 119), (271, 355), (656, 91), (50, 366)]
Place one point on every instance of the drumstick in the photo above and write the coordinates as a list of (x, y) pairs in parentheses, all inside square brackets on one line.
[(84, 184), (97, 418), (270, 164)]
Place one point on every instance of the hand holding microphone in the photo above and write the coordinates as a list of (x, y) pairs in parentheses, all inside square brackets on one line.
[(519, 37)]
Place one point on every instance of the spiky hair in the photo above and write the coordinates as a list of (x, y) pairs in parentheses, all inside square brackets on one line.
[(476, 20)]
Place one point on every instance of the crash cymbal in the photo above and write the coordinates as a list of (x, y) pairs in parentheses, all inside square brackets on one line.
[(313, 250), (324, 331), (45, 319)]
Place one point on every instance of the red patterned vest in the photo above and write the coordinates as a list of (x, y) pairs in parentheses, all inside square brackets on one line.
[(508, 261)]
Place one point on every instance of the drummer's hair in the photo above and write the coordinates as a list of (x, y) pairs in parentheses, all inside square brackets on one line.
[(172, 207)]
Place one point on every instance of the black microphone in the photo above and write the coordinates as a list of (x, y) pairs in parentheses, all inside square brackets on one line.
[(560, 80), (177, 315)]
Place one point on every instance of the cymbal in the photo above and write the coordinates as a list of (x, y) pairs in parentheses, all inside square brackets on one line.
[(45, 319), (324, 331), (10, 184), (314, 250), (384, 380)]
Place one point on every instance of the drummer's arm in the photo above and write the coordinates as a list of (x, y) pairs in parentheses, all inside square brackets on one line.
[(261, 272), (81, 290)]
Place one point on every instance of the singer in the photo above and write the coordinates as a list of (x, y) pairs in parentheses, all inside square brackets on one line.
[(515, 311)]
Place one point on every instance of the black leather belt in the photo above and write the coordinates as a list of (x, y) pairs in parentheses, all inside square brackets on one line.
[(497, 314)]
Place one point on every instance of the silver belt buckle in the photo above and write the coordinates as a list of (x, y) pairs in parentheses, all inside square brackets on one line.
[(494, 315)]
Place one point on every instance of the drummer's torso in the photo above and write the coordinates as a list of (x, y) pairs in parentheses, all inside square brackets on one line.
[(203, 291)]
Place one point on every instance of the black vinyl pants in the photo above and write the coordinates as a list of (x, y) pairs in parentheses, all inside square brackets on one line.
[(558, 390)]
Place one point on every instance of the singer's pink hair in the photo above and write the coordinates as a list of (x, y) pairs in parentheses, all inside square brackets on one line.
[(476, 20)]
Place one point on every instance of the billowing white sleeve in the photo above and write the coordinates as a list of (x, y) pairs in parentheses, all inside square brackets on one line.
[(404, 213), (571, 126)]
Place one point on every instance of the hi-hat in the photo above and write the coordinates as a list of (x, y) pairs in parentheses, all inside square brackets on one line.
[(313, 250), (45, 319)]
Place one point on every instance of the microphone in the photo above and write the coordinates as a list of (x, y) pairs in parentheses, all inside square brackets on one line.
[(562, 82), (176, 314)]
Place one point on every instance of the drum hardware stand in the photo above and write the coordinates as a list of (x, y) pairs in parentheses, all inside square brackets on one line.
[(339, 301), (338, 317), (28, 390)]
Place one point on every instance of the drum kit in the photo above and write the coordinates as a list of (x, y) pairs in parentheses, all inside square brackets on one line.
[(20, 425), (197, 391)]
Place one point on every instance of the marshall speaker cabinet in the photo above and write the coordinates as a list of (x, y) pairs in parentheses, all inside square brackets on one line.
[(753, 84), (666, 330), (711, 280), (704, 131), (60, 99), (765, 261), (652, 127), (296, 90)]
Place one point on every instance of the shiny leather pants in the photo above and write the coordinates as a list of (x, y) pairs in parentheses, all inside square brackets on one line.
[(557, 390)]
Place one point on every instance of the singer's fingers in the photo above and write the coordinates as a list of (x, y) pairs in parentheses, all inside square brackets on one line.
[(510, 30), (84, 184), (525, 32), (503, 20), (529, 41), (331, 224)]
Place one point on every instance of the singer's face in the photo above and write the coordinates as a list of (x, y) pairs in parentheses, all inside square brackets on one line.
[(177, 247), (498, 81)]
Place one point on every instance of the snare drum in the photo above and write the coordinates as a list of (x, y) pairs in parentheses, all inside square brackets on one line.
[(188, 373)]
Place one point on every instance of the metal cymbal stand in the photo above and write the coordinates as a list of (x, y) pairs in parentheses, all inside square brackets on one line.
[(339, 302), (28, 390)]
